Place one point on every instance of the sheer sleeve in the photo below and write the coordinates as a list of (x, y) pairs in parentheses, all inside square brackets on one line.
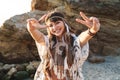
[(43, 49), (81, 53)]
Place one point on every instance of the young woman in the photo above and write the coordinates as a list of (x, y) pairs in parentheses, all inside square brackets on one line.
[(62, 53)]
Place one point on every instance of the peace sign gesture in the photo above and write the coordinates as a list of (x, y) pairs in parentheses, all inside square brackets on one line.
[(35, 24), (92, 23)]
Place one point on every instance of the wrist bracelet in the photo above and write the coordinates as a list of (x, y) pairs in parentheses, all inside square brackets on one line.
[(90, 33)]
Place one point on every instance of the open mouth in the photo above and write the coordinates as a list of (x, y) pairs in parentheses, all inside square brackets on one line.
[(57, 31)]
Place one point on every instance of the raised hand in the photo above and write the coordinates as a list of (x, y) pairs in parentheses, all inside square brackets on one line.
[(35, 24), (92, 23), (42, 19)]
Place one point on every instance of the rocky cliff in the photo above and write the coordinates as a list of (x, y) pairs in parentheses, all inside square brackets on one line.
[(17, 46)]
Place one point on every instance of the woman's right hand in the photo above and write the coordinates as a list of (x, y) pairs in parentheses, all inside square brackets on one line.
[(32, 23)]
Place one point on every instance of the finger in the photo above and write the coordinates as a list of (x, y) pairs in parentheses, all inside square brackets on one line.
[(29, 26), (43, 26), (84, 16), (96, 24), (32, 20), (42, 18), (28, 20), (96, 21), (80, 21), (83, 22), (91, 19)]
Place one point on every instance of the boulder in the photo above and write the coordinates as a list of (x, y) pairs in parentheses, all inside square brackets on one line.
[(17, 46)]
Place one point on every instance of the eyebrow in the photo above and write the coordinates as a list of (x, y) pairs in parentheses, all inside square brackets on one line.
[(53, 22)]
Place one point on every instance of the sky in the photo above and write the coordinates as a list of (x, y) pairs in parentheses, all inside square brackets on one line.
[(9, 8)]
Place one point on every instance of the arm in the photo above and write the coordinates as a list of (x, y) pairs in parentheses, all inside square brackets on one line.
[(92, 23), (33, 26)]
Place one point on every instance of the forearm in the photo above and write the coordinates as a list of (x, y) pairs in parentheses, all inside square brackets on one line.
[(85, 36), (92, 23), (36, 35)]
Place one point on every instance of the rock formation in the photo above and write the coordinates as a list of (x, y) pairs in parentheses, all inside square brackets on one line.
[(17, 46)]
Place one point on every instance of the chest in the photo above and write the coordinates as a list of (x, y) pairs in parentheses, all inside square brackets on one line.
[(59, 52)]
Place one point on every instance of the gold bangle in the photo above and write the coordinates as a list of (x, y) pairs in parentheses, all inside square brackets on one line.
[(90, 33)]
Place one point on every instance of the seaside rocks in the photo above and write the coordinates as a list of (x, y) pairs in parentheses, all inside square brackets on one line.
[(23, 71)]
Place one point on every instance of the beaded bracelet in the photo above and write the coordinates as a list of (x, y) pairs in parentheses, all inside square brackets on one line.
[(90, 33)]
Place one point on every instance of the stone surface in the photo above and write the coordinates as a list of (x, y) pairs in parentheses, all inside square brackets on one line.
[(108, 12), (109, 70), (17, 46)]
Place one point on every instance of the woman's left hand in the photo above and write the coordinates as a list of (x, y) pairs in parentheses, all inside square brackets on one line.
[(92, 23)]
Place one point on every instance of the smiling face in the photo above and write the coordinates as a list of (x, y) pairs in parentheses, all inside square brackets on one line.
[(56, 28), (55, 22)]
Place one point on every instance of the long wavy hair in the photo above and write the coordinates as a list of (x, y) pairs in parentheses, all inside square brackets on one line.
[(54, 16)]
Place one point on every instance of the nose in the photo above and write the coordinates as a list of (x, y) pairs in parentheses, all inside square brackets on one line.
[(54, 27)]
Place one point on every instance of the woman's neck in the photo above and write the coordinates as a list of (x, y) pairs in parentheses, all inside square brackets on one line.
[(59, 39)]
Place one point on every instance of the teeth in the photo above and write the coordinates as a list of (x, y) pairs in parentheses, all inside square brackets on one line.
[(57, 31)]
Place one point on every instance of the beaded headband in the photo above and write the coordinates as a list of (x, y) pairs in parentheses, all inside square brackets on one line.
[(54, 17)]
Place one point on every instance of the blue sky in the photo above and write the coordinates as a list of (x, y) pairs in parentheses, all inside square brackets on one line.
[(9, 8)]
